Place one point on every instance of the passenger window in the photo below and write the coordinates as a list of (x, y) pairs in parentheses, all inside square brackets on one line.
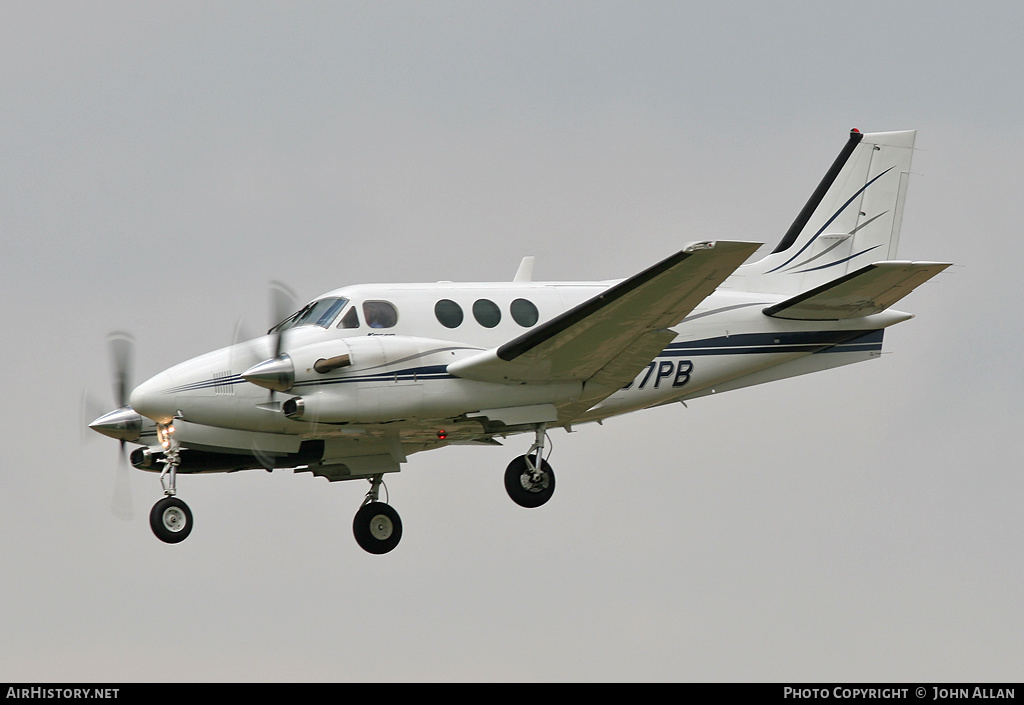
[(380, 314), (350, 319), (448, 313), (524, 313), (486, 313)]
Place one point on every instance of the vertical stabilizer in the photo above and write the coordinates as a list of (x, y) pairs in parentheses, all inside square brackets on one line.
[(852, 219)]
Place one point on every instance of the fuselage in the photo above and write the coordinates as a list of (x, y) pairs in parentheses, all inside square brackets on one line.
[(401, 339)]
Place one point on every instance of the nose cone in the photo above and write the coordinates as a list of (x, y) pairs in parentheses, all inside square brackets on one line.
[(154, 398), (124, 424)]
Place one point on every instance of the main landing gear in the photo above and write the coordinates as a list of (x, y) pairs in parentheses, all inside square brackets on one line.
[(170, 518), (377, 526), (529, 480)]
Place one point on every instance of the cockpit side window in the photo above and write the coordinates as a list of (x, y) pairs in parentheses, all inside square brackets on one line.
[(379, 314), (350, 319), (316, 313)]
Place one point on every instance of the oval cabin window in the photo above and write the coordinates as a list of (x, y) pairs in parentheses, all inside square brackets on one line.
[(448, 313), (486, 313), (524, 313)]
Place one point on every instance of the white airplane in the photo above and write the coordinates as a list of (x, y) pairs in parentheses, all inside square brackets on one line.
[(362, 377)]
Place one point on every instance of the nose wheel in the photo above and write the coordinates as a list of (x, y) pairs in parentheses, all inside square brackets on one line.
[(171, 520)]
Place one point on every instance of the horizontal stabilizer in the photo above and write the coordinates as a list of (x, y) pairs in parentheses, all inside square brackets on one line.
[(588, 339), (867, 291)]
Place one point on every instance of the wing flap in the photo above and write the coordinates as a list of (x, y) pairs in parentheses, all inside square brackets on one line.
[(580, 343), (867, 291), (619, 372)]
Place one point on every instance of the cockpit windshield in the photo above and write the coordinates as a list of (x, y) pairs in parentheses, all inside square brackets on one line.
[(316, 313)]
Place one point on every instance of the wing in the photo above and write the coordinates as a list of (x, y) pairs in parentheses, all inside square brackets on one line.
[(607, 340), (869, 290)]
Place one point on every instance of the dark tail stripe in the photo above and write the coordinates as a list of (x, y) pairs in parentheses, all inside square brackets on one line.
[(829, 221), (819, 193)]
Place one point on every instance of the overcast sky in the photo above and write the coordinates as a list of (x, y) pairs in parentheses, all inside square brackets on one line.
[(161, 162)]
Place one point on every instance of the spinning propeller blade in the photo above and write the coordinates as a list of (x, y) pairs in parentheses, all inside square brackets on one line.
[(122, 423), (282, 304), (122, 346), (267, 367)]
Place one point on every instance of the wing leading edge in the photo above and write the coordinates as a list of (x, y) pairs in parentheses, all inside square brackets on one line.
[(607, 340)]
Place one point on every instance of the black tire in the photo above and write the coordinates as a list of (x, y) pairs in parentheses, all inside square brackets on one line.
[(171, 520), (521, 487), (377, 528)]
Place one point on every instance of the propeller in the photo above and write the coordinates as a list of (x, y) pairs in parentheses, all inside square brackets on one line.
[(282, 305), (123, 423), (275, 372), (253, 358)]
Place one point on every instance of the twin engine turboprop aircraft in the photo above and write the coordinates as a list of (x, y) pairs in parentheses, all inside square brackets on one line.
[(362, 377)]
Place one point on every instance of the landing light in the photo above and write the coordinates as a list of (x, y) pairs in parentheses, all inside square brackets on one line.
[(164, 433)]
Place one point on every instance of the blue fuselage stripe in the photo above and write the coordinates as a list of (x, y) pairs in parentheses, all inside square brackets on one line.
[(742, 344)]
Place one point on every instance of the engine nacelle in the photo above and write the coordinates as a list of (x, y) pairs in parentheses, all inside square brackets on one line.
[(393, 378), (310, 363)]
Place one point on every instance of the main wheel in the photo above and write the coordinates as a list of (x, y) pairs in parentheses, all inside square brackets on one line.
[(171, 520), (377, 527), (524, 488)]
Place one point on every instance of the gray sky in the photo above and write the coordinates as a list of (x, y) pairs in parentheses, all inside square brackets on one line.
[(161, 162)]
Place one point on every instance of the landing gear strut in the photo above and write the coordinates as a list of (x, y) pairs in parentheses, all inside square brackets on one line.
[(377, 526), (170, 518), (529, 480)]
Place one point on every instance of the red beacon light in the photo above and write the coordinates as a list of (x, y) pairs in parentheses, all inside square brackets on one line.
[(442, 434)]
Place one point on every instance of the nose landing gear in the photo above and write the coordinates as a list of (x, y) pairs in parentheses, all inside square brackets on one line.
[(170, 518)]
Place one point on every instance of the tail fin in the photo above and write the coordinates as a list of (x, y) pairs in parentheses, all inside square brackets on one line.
[(852, 219)]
